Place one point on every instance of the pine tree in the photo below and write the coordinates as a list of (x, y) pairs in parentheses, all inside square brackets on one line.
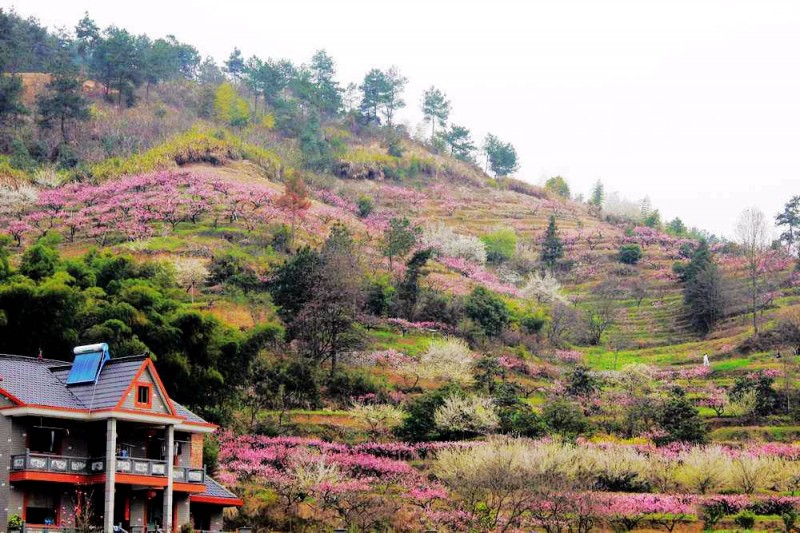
[(63, 101), (552, 247), (598, 194), (435, 108)]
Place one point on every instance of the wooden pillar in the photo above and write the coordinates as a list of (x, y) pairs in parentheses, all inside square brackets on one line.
[(170, 452), (111, 473)]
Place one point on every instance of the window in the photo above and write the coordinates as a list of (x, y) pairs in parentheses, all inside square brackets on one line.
[(41, 508), (45, 440), (144, 395)]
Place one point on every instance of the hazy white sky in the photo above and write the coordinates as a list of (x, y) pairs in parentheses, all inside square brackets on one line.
[(695, 103)]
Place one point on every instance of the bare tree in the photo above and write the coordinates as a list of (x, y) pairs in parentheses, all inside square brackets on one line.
[(753, 238)]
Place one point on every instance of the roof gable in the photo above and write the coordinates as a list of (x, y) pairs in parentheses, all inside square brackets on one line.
[(147, 377)]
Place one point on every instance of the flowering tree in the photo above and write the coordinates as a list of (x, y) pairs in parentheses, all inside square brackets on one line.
[(472, 415)]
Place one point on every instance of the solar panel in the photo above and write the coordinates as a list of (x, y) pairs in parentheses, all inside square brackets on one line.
[(88, 363)]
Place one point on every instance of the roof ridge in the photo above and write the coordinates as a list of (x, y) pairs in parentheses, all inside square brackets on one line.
[(140, 357), (34, 359)]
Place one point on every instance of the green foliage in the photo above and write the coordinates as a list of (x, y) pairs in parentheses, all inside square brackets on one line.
[(11, 107), (676, 227), (382, 94), (501, 156), (558, 186), (435, 108), (233, 269), (15, 522), (488, 310), (533, 322), (766, 398), (566, 419), (501, 244), (460, 142), (521, 420), (581, 383), (398, 239), (552, 247), (380, 296), (343, 386), (630, 254), (652, 219), (229, 107), (702, 291), (789, 219), (598, 195), (745, 519), (680, 420), (38, 262), (195, 146), (420, 424), (292, 284), (365, 205), (63, 101)]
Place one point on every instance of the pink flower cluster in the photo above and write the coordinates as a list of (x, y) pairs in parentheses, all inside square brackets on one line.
[(424, 325), (129, 208), (569, 356), (480, 275)]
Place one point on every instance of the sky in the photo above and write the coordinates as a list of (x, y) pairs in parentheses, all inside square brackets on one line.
[(693, 103)]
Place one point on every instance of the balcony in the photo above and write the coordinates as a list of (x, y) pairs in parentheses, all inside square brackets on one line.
[(86, 466)]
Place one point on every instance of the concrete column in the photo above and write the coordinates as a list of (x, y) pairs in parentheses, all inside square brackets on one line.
[(170, 440), (111, 473)]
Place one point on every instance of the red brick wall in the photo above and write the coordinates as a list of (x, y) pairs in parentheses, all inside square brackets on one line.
[(196, 460)]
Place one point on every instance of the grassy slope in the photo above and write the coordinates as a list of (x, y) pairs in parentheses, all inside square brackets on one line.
[(653, 331)]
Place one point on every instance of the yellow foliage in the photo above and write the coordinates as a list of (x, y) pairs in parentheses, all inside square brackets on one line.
[(230, 107), (195, 146), (268, 121)]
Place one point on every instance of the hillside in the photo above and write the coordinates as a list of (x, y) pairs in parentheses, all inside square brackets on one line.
[(390, 334)]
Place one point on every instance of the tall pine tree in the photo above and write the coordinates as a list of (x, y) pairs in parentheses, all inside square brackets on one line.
[(552, 247)]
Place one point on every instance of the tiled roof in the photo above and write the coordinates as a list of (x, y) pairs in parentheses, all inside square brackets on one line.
[(187, 414), (215, 490), (43, 382), (31, 381), (114, 379)]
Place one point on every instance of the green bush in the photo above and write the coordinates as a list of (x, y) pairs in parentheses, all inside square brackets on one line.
[(745, 520), (365, 205), (500, 245), (565, 418), (488, 311), (630, 254)]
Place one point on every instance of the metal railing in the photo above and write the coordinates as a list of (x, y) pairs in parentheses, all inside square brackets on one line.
[(50, 463), (65, 464), (141, 466)]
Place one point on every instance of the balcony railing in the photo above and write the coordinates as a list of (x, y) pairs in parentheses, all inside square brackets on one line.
[(64, 464), (51, 463)]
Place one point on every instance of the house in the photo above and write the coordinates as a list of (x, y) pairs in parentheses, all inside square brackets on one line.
[(101, 436)]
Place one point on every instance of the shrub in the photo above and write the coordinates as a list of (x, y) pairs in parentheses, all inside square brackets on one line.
[(39, 262), (533, 323), (466, 415), (500, 245), (381, 418), (745, 520), (488, 311), (558, 186), (344, 386), (445, 359), (521, 420), (365, 205), (566, 419), (630, 254), (420, 424)]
